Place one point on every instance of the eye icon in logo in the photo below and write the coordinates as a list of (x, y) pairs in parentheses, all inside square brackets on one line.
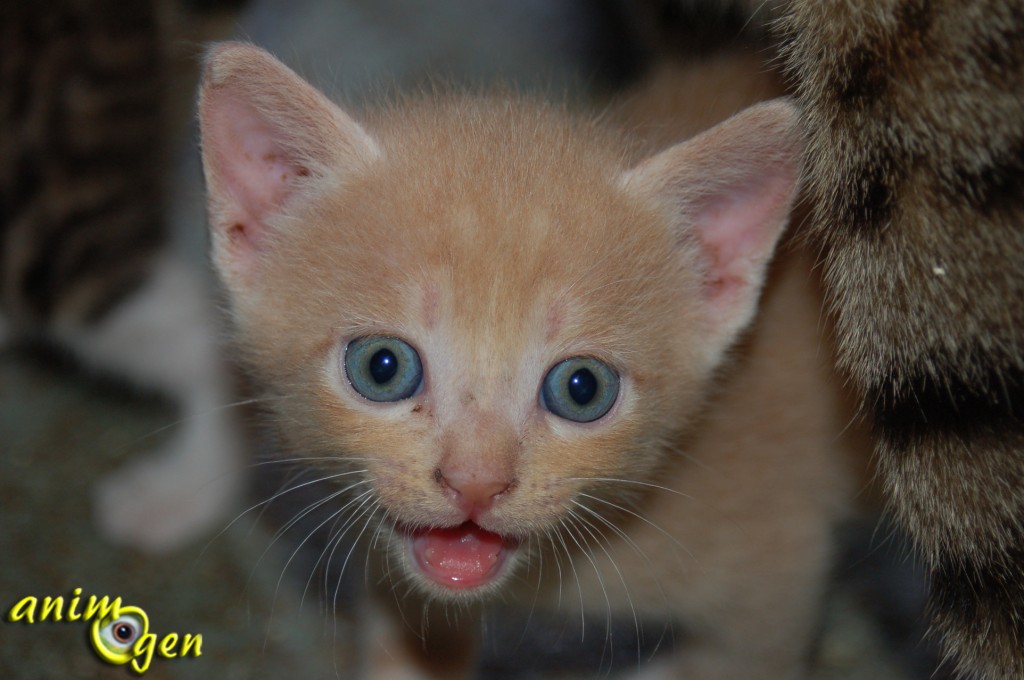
[(114, 639)]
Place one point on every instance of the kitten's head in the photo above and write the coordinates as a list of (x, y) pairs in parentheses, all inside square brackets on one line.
[(481, 302)]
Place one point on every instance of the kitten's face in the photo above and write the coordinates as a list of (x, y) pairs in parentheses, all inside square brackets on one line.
[(474, 303), (491, 292)]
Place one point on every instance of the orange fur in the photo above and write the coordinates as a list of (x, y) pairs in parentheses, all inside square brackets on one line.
[(499, 237)]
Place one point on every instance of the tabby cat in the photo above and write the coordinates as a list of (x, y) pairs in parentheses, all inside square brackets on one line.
[(915, 116), (84, 258)]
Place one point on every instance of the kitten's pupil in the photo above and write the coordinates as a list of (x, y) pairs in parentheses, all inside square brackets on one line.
[(582, 386), (383, 366)]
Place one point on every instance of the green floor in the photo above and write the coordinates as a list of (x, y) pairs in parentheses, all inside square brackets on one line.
[(60, 430)]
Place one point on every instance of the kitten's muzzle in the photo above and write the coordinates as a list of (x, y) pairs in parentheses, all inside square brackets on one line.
[(464, 557), (472, 494)]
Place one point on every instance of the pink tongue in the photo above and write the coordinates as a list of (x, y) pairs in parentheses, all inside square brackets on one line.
[(465, 556)]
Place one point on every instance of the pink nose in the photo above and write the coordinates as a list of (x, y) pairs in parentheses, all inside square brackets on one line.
[(473, 495)]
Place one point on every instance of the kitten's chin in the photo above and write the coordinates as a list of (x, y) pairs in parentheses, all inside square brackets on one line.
[(461, 560)]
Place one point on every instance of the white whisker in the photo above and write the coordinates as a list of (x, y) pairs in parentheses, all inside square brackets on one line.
[(597, 571), (644, 520), (576, 576), (309, 535), (643, 555), (598, 536), (276, 496), (336, 536)]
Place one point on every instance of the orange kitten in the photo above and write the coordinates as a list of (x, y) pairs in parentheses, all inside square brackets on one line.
[(522, 340)]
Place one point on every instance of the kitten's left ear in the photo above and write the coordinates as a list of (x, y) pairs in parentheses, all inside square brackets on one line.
[(730, 191), (267, 135)]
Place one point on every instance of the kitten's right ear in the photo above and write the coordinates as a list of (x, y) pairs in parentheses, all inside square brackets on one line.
[(266, 136), (729, 191)]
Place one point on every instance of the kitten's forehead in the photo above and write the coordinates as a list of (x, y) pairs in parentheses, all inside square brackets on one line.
[(493, 287), (504, 293), (516, 209), (503, 238), (488, 272)]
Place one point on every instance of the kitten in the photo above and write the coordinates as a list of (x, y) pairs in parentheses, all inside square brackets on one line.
[(509, 341)]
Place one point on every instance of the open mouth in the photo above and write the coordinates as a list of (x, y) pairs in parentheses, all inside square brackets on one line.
[(462, 557)]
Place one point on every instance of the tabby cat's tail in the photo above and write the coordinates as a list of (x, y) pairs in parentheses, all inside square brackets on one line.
[(915, 115)]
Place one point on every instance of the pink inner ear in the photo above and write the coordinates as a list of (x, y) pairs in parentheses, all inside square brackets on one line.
[(254, 172), (738, 229)]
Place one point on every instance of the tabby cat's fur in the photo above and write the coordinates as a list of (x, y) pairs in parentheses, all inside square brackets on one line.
[(80, 118), (915, 112), (84, 256)]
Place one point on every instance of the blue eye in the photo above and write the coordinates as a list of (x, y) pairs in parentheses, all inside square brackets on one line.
[(382, 368), (581, 389)]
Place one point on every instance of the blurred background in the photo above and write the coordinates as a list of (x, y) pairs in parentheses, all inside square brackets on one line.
[(96, 90)]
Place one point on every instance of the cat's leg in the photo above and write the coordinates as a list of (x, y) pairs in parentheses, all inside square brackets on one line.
[(165, 337), (414, 640)]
